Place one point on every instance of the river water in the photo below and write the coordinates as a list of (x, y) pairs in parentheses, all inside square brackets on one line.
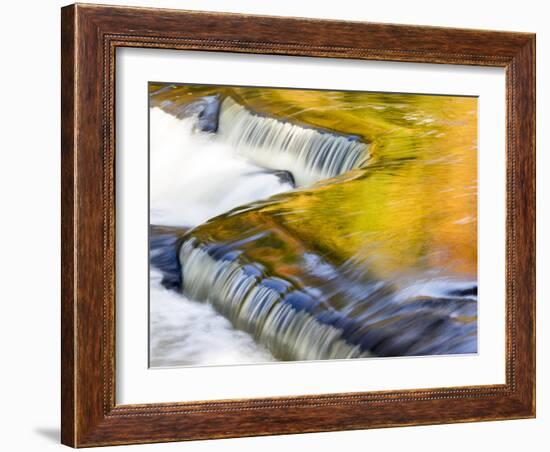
[(310, 225)]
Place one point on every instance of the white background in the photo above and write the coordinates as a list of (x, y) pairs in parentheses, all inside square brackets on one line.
[(30, 225), (137, 384)]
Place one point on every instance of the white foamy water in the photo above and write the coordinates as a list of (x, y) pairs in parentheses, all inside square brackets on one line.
[(184, 332), (194, 176)]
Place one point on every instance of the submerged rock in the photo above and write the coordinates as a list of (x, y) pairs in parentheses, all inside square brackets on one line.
[(206, 108), (285, 177), (163, 248)]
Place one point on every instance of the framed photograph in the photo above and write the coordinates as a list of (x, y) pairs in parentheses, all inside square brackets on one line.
[(281, 225)]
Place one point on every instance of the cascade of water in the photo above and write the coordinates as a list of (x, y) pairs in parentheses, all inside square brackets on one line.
[(294, 325), (194, 176), (309, 154), (277, 315)]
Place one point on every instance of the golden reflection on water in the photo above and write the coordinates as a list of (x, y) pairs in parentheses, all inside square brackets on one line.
[(412, 208)]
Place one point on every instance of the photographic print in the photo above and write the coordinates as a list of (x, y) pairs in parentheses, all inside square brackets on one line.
[(277, 225), (292, 224)]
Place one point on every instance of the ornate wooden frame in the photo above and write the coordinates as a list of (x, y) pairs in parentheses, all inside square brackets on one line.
[(90, 35)]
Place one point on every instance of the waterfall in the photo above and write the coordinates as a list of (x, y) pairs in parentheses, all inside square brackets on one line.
[(182, 332), (295, 325), (210, 156), (194, 176), (309, 154), (276, 315)]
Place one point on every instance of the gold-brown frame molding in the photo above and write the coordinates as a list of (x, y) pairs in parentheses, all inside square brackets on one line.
[(90, 36)]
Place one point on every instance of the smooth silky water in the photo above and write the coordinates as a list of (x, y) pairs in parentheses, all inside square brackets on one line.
[(300, 225)]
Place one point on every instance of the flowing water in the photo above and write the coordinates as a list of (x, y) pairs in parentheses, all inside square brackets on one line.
[(308, 154), (194, 177), (304, 225)]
